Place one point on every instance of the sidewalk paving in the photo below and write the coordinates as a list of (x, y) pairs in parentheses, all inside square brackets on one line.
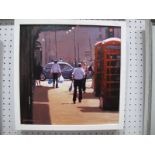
[(55, 106)]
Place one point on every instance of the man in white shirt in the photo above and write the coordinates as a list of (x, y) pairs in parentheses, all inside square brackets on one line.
[(78, 75), (56, 71)]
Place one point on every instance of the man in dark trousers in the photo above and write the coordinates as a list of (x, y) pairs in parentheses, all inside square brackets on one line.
[(56, 72), (78, 75)]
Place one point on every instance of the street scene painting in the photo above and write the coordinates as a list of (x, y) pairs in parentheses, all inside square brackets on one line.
[(69, 74)]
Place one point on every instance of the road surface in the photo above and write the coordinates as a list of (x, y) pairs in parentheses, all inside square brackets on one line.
[(55, 106)]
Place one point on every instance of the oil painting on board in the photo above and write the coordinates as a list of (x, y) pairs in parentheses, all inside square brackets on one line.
[(70, 74)]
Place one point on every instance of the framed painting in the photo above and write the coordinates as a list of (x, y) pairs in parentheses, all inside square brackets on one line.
[(69, 74)]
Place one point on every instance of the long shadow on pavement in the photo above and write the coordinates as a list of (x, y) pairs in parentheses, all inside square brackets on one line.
[(95, 109), (90, 109)]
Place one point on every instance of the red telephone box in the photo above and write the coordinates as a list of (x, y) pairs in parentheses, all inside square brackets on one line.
[(109, 75)]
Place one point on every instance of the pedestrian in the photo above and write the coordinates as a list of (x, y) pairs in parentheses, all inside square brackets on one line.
[(85, 68), (56, 72), (91, 73), (78, 75), (91, 70), (37, 73)]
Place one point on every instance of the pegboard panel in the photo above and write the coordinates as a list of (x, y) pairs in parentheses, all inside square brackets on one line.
[(133, 123), (7, 104)]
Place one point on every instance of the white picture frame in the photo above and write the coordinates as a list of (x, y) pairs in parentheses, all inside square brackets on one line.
[(123, 72)]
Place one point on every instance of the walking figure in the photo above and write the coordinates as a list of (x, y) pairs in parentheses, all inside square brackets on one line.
[(56, 72), (78, 76), (91, 73), (84, 66)]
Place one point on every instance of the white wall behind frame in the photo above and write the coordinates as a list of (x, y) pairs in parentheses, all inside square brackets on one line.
[(133, 123)]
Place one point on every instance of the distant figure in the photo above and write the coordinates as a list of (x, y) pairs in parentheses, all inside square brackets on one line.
[(84, 66), (60, 59), (37, 73), (91, 72), (78, 76), (56, 72)]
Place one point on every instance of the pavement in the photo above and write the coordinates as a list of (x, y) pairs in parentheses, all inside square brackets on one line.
[(55, 106)]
